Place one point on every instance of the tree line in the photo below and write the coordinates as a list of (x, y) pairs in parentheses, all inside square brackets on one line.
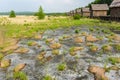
[(100, 2)]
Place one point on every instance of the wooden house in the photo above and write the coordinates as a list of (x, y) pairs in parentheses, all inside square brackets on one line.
[(99, 10), (85, 12), (74, 12), (115, 8), (78, 11)]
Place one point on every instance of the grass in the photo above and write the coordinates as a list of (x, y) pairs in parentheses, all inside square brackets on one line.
[(1, 56), (114, 60), (29, 29), (20, 76), (47, 77), (61, 67), (117, 47), (21, 30)]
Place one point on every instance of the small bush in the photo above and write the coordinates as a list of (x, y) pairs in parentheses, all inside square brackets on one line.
[(20, 76), (47, 77), (76, 31), (117, 47), (12, 14), (61, 67), (76, 17), (114, 60)]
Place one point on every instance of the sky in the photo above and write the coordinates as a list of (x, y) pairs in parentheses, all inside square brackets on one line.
[(48, 5)]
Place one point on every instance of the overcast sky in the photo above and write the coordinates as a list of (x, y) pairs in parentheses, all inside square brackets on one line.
[(48, 5)]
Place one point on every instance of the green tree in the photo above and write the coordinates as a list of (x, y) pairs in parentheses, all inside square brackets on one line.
[(12, 14), (101, 2), (40, 13)]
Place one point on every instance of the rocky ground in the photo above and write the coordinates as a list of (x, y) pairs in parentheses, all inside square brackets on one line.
[(76, 53)]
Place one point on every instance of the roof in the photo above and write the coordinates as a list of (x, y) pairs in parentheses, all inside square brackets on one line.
[(115, 3), (99, 7), (85, 9), (78, 10)]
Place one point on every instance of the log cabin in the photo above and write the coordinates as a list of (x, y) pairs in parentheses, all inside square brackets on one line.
[(99, 10), (115, 8), (85, 12), (78, 11)]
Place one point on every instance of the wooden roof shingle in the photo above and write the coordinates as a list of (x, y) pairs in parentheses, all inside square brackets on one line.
[(115, 3), (99, 7)]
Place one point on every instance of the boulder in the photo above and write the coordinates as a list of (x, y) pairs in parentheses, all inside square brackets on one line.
[(49, 40), (117, 37), (107, 48), (99, 72), (78, 40), (41, 56), (91, 38), (55, 52), (22, 50), (74, 49), (19, 67), (94, 48), (9, 48), (55, 46), (5, 63), (32, 43), (38, 37)]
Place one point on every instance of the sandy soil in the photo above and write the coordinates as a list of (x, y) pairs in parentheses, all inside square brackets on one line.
[(28, 19)]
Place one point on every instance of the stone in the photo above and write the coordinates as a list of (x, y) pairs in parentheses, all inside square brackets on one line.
[(73, 53), (89, 44), (99, 72), (49, 40), (55, 46), (32, 43), (48, 58), (91, 38), (84, 34), (55, 52), (117, 37), (19, 67), (114, 68), (94, 48), (5, 63), (41, 56), (78, 40), (9, 48), (22, 50), (38, 37), (74, 49), (107, 48)]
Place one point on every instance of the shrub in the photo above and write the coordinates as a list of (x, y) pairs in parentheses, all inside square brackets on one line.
[(12, 14), (117, 47), (114, 60), (61, 67), (20, 76), (76, 17), (55, 52), (47, 77), (40, 13), (76, 31)]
